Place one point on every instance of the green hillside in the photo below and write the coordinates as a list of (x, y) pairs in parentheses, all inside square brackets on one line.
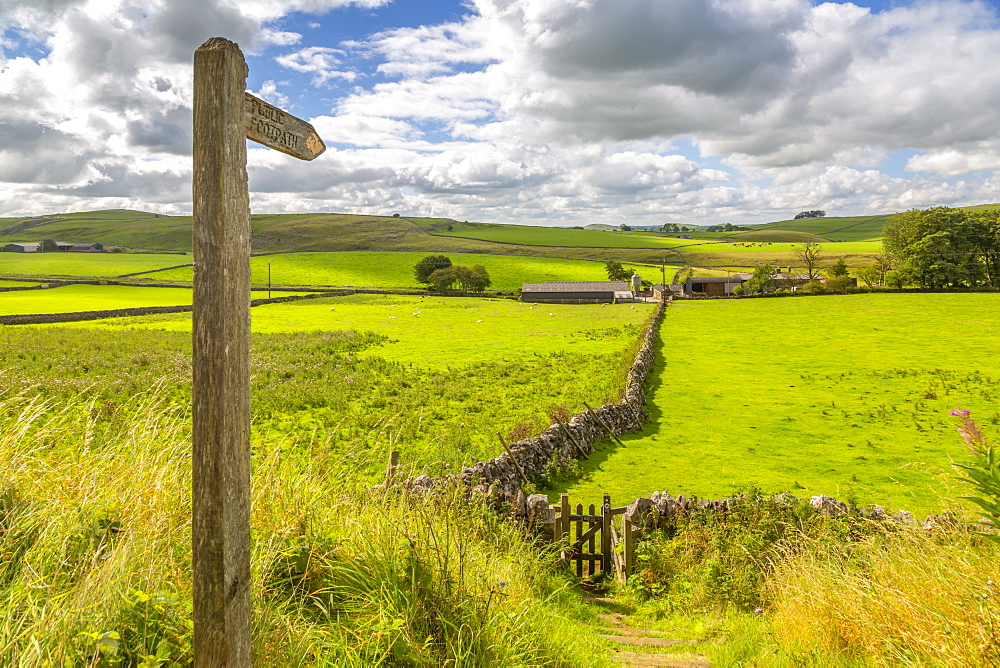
[(322, 232), (851, 228), (776, 236), (557, 236), (111, 227), (855, 238)]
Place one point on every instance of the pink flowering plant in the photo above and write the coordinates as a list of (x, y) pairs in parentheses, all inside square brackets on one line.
[(983, 472)]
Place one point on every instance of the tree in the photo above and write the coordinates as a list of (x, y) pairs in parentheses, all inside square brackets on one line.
[(869, 276), (894, 279), (881, 265), (839, 268), (984, 234), (808, 256), (423, 269), (468, 279), (625, 228), (48, 246), (839, 283), (935, 248), (480, 279), (616, 272), (761, 280), (815, 213), (442, 279)]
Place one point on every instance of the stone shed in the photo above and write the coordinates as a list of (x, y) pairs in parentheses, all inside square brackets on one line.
[(577, 292)]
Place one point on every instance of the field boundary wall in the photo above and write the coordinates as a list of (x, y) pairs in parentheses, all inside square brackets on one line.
[(24, 287), (500, 479)]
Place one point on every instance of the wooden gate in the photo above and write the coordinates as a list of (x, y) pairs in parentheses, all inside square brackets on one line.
[(591, 538)]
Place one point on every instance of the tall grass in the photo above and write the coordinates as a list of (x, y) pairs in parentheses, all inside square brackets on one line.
[(794, 586), (913, 597), (95, 555)]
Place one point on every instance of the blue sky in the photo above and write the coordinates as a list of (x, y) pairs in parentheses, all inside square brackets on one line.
[(517, 111)]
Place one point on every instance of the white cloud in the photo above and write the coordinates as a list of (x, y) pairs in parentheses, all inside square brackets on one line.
[(523, 110), (269, 92), (321, 61)]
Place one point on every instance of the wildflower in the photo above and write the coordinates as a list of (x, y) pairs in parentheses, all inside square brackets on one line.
[(974, 439), (502, 583), (758, 611)]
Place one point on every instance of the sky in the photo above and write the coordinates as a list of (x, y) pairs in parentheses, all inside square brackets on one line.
[(538, 112)]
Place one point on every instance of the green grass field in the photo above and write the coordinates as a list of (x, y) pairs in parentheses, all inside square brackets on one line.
[(448, 331), (373, 269), (73, 298), (345, 268), (360, 373), (847, 396), (853, 228), (86, 265), (754, 247)]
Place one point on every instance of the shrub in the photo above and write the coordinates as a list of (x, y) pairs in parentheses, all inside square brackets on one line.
[(711, 559)]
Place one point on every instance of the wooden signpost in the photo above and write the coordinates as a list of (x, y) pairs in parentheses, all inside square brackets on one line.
[(225, 116)]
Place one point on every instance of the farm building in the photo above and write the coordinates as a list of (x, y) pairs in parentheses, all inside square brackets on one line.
[(790, 281), (79, 247), (713, 286), (664, 292), (22, 247), (577, 292)]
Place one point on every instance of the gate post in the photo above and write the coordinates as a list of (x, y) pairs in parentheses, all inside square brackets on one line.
[(563, 522), (606, 559), (627, 538)]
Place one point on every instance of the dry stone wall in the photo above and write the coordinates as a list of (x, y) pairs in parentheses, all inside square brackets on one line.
[(499, 479)]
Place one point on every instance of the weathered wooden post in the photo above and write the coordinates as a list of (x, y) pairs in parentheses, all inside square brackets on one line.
[(629, 552), (390, 469), (563, 531), (606, 534), (221, 360), (223, 116)]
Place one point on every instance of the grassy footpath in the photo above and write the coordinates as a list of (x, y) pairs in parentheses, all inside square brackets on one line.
[(844, 395)]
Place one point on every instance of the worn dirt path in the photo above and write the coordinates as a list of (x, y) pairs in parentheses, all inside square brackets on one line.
[(642, 647)]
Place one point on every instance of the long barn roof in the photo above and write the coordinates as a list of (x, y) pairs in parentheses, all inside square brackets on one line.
[(577, 286)]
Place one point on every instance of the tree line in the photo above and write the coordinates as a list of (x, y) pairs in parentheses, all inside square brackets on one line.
[(945, 248), (438, 272)]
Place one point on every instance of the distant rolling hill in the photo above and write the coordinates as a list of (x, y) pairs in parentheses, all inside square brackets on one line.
[(352, 232), (851, 228), (776, 235)]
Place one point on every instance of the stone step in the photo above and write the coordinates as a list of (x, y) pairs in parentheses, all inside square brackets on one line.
[(638, 659), (652, 633), (641, 640)]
